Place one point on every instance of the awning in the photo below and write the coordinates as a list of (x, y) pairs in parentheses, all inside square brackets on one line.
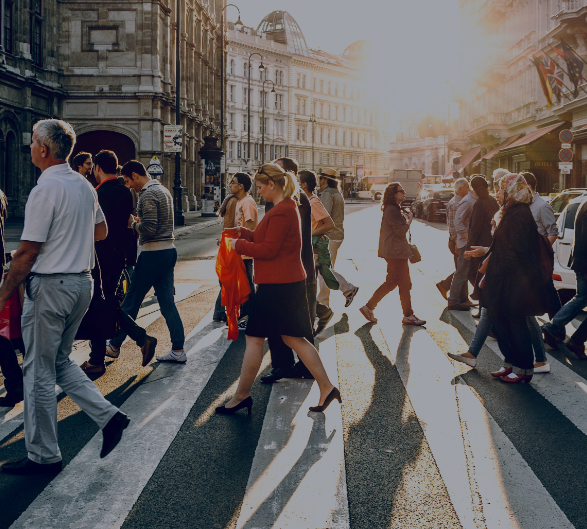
[(533, 136), (503, 145), (466, 159)]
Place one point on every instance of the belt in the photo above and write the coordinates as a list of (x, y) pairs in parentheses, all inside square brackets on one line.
[(85, 272)]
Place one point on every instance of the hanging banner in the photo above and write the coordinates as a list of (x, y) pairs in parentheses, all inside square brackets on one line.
[(172, 138)]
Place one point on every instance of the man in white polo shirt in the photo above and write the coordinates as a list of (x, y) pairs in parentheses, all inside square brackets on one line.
[(55, 256)]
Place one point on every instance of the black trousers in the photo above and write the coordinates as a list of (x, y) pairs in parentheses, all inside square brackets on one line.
[(513, 338), (247, 304), (282, 356), (126, 323), (552, 300), (10, 368)]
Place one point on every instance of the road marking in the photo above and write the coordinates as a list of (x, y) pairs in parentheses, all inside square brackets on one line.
[(298, 477), (77, 496)]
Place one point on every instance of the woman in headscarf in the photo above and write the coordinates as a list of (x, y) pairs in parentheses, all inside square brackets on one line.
[(514, 286)]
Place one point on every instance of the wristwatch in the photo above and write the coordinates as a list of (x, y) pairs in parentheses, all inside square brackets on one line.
[(133, 224)]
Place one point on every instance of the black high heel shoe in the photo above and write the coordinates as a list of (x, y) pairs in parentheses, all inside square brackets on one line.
[(334, 394), (247, 403)]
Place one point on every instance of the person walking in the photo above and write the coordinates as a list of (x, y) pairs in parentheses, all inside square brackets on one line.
[(554, 331), (513, 287), (226, 212), (82, 163), (156, 262), (333, 201), (282, 356), (461, 189), (247, 216), (281, 302), (462, 222), (116, 203), (55, 256), (395, 249)]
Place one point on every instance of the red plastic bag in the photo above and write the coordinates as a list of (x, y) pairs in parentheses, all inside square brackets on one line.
[(10, 317), (235, 283)]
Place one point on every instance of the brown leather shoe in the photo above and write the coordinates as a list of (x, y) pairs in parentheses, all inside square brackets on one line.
[(443, 291), (89, 369), (577, 348), (148, 350)]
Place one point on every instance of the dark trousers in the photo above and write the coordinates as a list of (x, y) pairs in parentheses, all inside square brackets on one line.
[(398, 275), (247, 304), (513, 338), (448, 281), (580, 335), (125, 322), (552, 300), (9, 367), (282, 356)]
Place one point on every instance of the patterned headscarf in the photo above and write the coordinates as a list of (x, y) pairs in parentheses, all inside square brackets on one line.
[(516, 192)]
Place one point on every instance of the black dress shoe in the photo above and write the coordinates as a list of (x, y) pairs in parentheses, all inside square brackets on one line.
[(323, 321), (26, 467), (247, 403), (11, 399), (112, 433), (549, 339), (275, 375), (299, 370)]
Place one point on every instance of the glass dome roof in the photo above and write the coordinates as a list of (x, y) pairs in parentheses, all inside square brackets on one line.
[(284, 29)]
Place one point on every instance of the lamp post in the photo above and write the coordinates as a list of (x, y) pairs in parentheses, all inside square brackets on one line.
[(263, 119), (179, 219), (313, 122), (261, 69), (222, 85)]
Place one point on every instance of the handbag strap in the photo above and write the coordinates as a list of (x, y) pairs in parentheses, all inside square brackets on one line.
[(410, 232)]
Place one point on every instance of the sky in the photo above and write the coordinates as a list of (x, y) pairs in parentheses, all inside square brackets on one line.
[(416, 42)]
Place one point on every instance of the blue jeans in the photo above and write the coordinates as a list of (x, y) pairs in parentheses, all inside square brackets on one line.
[(571, 310), (484, 327), (154, 269)]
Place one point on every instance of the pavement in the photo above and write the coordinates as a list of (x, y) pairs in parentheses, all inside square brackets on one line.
[(418, 442)]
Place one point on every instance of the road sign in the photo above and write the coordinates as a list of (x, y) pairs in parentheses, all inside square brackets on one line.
[(566, 170), (565, 165), (172, 138), (155, 168), (566, 136), (565, 155), (566, 145)]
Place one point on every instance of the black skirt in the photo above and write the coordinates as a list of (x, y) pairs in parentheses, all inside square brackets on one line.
[(280, 309)]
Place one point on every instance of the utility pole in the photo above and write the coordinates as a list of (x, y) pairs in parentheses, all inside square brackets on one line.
[(261, 69), (263, 118), (313, 122)]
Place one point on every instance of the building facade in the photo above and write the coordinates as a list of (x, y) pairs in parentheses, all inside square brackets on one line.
[(109, 69), (323, 114), (503, 110)]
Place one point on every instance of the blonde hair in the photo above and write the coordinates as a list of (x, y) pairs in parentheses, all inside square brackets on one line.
[(284, 179)]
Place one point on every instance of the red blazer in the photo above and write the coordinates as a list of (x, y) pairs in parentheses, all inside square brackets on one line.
[(275, 245)]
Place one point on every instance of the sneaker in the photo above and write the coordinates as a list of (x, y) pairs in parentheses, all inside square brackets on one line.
[(368, 313), (542, 369), (413, 320), (460, 358), (172, 356), (111, 351), (350, 296), (242, 325)]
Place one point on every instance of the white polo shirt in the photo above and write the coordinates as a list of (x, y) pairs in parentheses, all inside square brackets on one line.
[(61, 212)]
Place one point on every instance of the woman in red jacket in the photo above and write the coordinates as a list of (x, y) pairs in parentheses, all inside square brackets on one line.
[(280, 301)]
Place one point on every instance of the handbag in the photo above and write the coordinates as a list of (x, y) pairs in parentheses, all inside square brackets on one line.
[(415, 257)]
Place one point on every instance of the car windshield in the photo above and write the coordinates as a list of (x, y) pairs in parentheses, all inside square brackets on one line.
[(570, 218), (560, 202)]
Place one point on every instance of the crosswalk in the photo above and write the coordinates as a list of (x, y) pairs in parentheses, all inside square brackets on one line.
[(418, 442)]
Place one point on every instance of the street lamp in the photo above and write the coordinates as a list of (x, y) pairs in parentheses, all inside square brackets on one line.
[(263, 118), (222, 85), (179, 219), (261, 69), (313, 122)]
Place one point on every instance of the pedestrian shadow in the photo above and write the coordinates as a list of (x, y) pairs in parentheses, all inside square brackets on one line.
[(318, 444), (385, 442)]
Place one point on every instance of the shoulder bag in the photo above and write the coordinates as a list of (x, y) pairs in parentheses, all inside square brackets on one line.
[(415, 257)]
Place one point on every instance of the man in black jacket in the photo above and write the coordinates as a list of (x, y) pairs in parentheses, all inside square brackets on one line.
[(117, 205)]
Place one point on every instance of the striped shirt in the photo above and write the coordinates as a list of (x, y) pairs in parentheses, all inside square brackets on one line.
[(451, 213), (155, 209)]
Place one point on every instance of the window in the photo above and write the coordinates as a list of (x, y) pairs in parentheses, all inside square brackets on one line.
[(36, 21), (245, 122), (304, 107), (299, 80), (321, 135), (352, 139), (246, 69), (298, 106), (231, 121), (303, 133), (279, 77), (336, 89), (264, 125), (279, 127), (231, 149), (231, 92), (232, 67), (322, 86), (264, 99), (344, 138), (336, 137), (303, 81), (245, 96), (8, 22), (279, 101), (298, 133), (329, 87), (344, 91)]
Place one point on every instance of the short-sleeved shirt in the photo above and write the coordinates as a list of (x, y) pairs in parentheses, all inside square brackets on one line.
[(61, 212), (246, 210), (319, 212)]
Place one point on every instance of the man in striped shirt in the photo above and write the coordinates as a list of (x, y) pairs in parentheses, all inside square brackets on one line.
[(156, 263), (461, 190)]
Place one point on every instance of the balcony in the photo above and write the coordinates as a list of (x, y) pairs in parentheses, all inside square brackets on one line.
[(492, 70), (492, 11), (488, 120)]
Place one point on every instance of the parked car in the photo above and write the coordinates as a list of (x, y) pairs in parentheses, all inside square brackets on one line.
[(377, 191), (560, 201), (564, 278), (431, 201)]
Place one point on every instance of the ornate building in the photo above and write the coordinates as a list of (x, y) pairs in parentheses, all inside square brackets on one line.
[(109, 69), (503, 111), (351, 126)]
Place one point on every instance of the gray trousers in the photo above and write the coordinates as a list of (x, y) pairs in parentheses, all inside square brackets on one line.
[(460, 278), (53, 310)]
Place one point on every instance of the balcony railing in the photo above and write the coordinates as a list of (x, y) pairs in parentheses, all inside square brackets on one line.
[(491, 118), (573, 5)]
